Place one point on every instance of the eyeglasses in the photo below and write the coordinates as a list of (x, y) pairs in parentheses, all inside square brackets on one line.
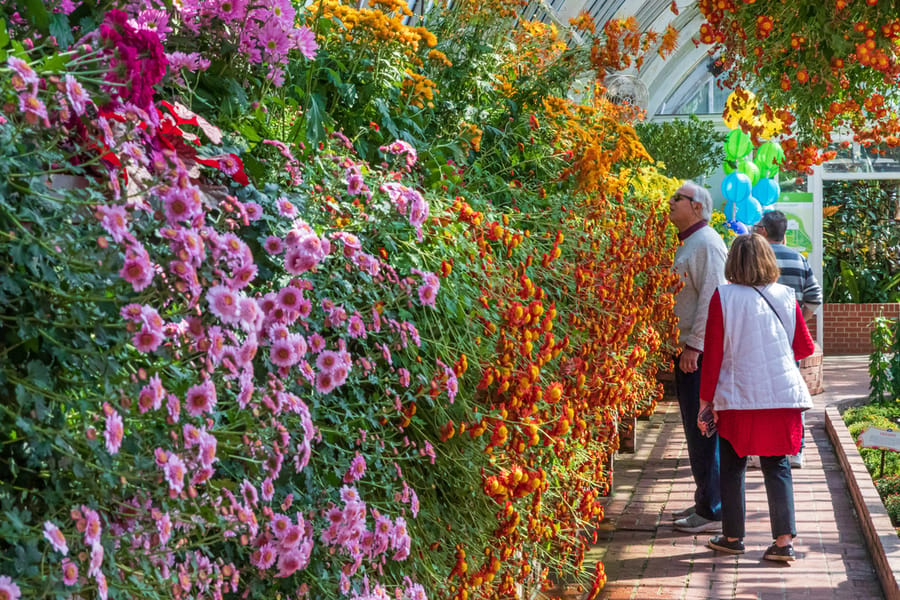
[(677, 197), (759, 228)]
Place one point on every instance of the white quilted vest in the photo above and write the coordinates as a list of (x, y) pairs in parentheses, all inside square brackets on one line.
[(758, 367)]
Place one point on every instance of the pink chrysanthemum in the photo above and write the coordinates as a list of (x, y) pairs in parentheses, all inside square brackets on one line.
[(316, 343), (299, 343), (147, 339), (193, 62), (224, 303), (289, 297), (70, 572), (254, 211), (115, 431), (324, 383), (427, 295), (164, 527), (96, 560), (291, 537), (243, 275), (151, 395), (114, 220), (249, 493), (34, 108), (78, 98), (286, 208), (274, 245), (279, 525), (55, 537), (264, 557), (355, 183), (201, 398), (137, 270), (202, 475), (267, 489), (306, 42), (92, 527), (208, 445), (355, 327), (283, 354), (102, 588), (357, 469), (327, 361), (174, 470), (339, 375), (27, 75), (8, 589), (191, 435), (290, 562), (298, 260), (304, 308)]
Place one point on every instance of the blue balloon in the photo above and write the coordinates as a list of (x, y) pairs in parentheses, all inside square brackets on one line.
[(730, 210), (767, 191), (736, 187), (737, 227), (749, 212)]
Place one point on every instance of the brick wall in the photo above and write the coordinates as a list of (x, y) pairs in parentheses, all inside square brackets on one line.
[(846, 327)]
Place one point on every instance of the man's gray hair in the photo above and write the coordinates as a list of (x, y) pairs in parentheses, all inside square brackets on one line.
[(701, 194)]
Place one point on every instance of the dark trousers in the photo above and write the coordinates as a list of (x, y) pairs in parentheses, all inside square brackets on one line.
[(703, 451), (779, 491)]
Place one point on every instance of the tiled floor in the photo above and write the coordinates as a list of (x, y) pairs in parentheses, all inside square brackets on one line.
[(646, 558)]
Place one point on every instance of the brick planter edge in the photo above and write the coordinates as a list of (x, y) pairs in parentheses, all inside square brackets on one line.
[(881, 538)]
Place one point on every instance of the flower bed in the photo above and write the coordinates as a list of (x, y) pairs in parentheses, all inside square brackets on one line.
[(287, 312)]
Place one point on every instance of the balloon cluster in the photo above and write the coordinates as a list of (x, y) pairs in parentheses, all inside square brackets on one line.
[(751, 182)]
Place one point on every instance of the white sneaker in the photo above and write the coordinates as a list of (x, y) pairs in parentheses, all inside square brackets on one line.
[(695, 524), (797, 460), (753, 462)]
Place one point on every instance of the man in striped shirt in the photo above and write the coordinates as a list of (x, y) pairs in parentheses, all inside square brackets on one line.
[(795, 273), (795, 270)]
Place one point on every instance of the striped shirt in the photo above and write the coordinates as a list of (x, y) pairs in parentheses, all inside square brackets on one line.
[(797, 274)]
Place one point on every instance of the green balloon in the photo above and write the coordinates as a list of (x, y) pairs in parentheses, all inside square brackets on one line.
[(729, 166), (749, 168), (738, 145), (769, 158)]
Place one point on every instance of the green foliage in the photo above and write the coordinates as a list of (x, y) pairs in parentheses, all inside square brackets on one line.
[(861, 240), (892, 504), (689, 149), (883, 416), (888, 486)]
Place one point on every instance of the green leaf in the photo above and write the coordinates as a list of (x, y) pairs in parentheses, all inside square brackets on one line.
[(61, 30), (36, 12), (4, 34), (315, 119)]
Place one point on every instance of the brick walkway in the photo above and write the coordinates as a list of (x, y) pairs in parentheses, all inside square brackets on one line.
[(646, 558)]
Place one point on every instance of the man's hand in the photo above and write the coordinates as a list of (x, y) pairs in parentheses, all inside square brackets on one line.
[(687, 362)]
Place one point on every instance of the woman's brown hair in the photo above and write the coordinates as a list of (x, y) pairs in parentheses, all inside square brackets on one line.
[(751, 261)]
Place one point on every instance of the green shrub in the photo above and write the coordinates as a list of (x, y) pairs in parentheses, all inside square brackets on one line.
[(888, 486), (882, 416), (892, 504), (689, 148)]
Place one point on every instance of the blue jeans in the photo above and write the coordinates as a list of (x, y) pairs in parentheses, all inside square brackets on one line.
[(779, 491), (703, 451)]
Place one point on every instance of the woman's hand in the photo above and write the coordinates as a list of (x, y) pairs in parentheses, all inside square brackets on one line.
[(701, 424)]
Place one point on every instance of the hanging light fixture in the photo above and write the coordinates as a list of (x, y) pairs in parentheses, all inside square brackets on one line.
[(626, 87)]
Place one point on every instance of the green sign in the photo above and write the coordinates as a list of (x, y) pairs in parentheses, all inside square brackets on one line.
[(799, 210)]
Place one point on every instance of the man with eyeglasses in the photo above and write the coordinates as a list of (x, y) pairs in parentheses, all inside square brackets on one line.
[(795, 273), (700, 264)]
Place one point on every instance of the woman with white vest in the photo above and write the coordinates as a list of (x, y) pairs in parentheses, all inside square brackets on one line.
[(754, 334)]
